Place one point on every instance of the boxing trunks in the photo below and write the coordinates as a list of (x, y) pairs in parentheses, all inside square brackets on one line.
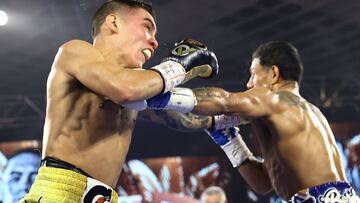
[(59, 181), (334, 192)]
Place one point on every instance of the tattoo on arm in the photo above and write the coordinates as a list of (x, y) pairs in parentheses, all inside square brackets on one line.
[(177, 121), (208, 93)]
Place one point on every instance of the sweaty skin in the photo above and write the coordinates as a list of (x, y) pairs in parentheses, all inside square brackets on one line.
[(85, 125), (296, 142)]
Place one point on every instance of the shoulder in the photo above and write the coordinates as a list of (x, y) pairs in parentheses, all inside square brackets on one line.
[(75, 53), (78, 47), (285, 101), (259, 92), (75, 44), (260, 95)]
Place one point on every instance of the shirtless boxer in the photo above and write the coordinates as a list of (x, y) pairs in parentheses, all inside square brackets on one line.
[(86, 133), (301, 160)]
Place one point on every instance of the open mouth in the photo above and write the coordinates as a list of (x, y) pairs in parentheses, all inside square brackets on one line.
[(147, 53)]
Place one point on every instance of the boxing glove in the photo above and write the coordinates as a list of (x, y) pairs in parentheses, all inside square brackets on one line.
[(232, 144), (189, 59), (178, 99), (227, 121)]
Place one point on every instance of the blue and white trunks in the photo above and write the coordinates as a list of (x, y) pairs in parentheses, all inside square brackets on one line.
[(334, 192)]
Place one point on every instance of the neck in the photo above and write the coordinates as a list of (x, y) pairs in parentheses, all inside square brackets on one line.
[(100, 44), (108, 50), (289, 86)]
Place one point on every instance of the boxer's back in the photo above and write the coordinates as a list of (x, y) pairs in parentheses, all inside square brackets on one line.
[(84, 128), (298, 146)]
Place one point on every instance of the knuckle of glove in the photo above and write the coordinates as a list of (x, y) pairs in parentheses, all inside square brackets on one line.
[(189, 53), (214, 64)]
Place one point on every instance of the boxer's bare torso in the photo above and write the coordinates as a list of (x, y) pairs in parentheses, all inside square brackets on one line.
[(297, 145), (86, 129)]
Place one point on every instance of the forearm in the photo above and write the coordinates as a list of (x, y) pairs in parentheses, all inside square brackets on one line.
[(141, 84), (215, 101), (177, 121), (240, 156), (255, 174), (120, 85), (210, 101)]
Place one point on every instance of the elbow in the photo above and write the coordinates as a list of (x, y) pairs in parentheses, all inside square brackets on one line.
[(260, 187), (227, 107), (263, 190)]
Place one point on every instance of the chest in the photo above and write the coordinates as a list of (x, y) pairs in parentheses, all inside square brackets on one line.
[(113, 113)]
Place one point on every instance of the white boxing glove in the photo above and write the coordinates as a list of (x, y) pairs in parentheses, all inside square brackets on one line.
[(232, 144), (179, 99), (227, 121)]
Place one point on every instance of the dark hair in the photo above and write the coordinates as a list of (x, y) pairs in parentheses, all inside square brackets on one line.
[(282, 54), (113, 6)]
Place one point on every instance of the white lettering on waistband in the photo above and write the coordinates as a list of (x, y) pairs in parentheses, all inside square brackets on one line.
[(333, 195)]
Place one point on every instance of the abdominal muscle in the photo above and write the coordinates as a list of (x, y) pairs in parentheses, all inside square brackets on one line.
[(94, 136)]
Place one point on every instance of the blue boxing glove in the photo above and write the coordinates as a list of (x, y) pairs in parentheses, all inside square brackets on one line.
[(189, 59), (179, 99), (232, 144)]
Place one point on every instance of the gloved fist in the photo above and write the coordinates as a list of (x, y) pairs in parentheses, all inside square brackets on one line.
[(178, 99), (223, 136), (195, 58), (232, 144), (227, 121), (187, 60)]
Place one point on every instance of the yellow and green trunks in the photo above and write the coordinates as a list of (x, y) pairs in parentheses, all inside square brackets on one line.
[(56, 185)]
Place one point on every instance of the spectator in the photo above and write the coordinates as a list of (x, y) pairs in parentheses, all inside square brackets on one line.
[(353, 171), (20, 172), (213, 194)]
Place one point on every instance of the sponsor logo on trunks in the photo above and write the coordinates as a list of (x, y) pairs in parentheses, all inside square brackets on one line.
[(333, 195)]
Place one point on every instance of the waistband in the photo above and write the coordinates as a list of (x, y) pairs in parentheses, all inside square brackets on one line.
[(57, 163), (339, 191), (62, 185)]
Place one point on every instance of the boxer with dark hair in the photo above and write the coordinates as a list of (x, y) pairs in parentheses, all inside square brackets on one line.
[(301, 161), (88, 126)]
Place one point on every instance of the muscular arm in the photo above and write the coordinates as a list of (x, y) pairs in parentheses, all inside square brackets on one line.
[(177, 121), (251, 104), (255, 174), (86, 64)]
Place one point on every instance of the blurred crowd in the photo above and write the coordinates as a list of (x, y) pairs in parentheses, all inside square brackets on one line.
[(173, 179)]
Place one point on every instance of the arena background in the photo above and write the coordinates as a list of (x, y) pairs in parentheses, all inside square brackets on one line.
[(326, 33)]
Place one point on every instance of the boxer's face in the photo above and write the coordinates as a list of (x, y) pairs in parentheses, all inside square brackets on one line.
[(260, 76), (136, 35), (19, 174)]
